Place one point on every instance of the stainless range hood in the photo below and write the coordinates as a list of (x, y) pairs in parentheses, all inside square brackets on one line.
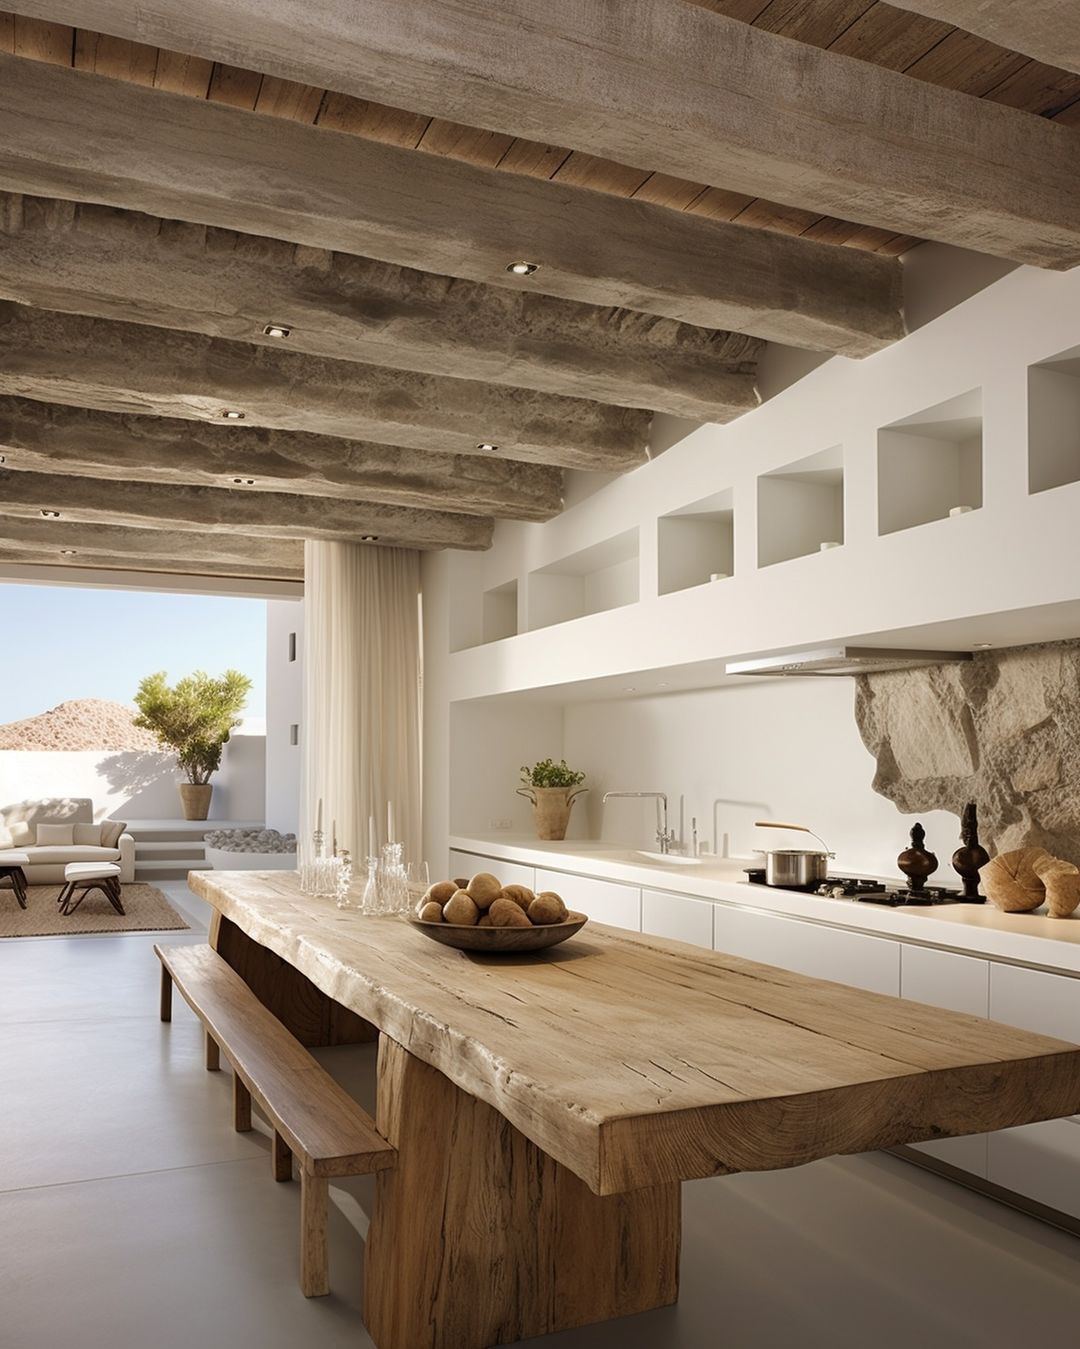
[(843, 660)]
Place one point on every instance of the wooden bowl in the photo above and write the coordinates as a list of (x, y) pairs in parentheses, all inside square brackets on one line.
[(501, 940)]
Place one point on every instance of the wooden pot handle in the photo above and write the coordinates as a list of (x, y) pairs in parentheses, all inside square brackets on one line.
[(528, 793), (579, 792)]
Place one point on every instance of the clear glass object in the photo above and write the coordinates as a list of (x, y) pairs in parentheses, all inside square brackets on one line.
[(369, 900), (392, 880)]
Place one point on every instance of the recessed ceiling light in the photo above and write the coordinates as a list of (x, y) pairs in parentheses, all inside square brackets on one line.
[(486, 445), (244, 482), (523, 268), (233, 414), (51, 515), (277, 330), (369, 538), (3, 458), (67, 552)]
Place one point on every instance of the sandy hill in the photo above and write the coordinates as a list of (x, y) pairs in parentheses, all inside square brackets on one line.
[(83, 723)]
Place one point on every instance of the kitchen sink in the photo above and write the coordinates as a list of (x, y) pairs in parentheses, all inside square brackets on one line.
[(670, 858)]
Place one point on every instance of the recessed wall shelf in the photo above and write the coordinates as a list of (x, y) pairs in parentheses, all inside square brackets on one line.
[(591, 581), (696, 543), (500, 612), (930, 463), (801, 507), (1054, 422)]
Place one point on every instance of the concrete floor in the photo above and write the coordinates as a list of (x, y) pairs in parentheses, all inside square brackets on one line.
[(132, 1216)]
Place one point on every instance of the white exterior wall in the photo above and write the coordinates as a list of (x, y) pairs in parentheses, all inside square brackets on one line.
[(1007, 573), (135, 784), (284, 700)]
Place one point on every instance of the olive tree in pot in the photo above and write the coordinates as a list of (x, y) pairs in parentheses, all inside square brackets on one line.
[(550, 787), (194, 719)]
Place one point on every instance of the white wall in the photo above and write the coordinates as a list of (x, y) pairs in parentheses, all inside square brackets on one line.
[(284, 700), (134, 784)]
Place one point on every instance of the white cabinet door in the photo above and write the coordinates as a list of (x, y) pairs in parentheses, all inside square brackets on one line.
[(604, 901), (677, 916), (851, 958), (1041, 1161), (958, 984), (464, 865)]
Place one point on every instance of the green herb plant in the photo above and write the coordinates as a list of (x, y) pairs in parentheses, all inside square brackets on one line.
[(548, 773)]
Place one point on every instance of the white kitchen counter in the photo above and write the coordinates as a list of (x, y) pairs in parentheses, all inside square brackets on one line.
[(972, 929)]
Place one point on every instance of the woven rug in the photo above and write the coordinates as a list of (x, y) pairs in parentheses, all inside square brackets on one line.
[(147, 910)]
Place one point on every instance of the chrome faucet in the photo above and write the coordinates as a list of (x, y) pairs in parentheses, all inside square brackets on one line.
[(664, 837)]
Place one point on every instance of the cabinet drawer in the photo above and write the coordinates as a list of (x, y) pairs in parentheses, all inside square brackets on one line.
[(467, 864), (603, 901), (677, 916), (958, 984), (851, 958), (1036, 1001)]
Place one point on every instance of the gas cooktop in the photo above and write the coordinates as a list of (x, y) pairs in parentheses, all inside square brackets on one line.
[(868, 891)]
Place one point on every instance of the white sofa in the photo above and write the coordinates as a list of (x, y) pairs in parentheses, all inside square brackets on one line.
[(19, 825)]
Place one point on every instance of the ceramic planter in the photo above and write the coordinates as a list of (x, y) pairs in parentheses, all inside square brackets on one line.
[(551, 808)]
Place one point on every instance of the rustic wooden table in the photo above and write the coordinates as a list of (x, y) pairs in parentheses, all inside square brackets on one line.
[(546, 1108)]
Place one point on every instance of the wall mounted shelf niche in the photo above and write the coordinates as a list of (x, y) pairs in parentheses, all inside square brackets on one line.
[(696, 543), (930, 463), (1054, 421), (801, 506), (500, 612), (591, 581)]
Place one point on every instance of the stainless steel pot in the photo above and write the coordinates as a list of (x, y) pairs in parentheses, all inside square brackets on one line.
[(795, 868)]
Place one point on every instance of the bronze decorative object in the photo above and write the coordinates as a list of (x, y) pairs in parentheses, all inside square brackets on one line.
[(968, 859), (916, 862)]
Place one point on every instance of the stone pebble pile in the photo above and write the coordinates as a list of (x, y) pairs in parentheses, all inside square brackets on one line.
[(251, 840)]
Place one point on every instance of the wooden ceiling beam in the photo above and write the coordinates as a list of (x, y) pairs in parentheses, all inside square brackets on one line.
[(672, 88), (126, 367), (64, 543), (53, 438), (1048, 30), (106, 263), (66, 133), (213, 510)]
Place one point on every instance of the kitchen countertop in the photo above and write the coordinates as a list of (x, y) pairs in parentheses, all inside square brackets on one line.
[(972, 929)]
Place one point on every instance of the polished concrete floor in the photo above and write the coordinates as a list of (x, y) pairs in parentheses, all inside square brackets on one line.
[(132, 1216)]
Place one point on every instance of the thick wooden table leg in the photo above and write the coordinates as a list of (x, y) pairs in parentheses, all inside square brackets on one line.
[(281, 1158), (314, 1212), (213, 1054), (479, 1238), (166, 994)]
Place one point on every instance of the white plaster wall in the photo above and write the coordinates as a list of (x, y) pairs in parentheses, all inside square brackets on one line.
[(134, 784), (284, 700)]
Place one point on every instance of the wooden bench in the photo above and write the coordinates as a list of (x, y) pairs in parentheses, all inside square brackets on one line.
[(312, 1117)]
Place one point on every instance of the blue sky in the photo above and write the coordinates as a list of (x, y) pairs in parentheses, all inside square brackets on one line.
[(62, 642)]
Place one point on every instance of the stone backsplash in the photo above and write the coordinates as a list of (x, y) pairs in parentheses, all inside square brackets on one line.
[(1002, 730)]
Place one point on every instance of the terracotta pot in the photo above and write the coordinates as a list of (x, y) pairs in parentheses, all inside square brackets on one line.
[(551, 808), (195, 798)]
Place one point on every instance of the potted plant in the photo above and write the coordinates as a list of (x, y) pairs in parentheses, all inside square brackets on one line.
[(193, 719), (550, 788)]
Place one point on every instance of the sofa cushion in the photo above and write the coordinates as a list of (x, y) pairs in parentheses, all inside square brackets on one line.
[(53, 834), (88, 835), (45, 857), (22, 834), (110, 833), (6, 839)]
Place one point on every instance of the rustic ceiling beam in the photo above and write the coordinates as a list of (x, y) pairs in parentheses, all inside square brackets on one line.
[(1049, 30), (127, 367), (210, 510), (54, 438), (672, 88), (63, 543), (100, 261), (65, 133)]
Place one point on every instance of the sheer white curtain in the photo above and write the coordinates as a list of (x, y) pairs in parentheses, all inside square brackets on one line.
[(361, 713)]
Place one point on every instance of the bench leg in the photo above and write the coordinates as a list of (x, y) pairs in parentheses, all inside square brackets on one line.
[(241, 1106), (113, 894), (213, 1054), (314, 1260), (281, 1157), (166, 994)]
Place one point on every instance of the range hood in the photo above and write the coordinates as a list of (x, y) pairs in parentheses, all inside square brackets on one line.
[(843, 660)]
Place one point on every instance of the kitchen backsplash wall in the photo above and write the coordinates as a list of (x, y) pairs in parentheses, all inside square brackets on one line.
[(785, 749), (1002, 730)]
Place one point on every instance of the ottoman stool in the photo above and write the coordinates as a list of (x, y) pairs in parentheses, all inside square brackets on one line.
[(11, 868), (81, 877)]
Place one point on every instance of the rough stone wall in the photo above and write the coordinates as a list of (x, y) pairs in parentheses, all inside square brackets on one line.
[(1002, 730)]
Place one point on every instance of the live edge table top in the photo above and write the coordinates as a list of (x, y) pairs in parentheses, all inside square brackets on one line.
[(635, 1060)]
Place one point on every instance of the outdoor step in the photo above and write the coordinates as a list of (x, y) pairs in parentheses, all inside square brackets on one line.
[(191, 850), (167, 870), (183, 831)]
